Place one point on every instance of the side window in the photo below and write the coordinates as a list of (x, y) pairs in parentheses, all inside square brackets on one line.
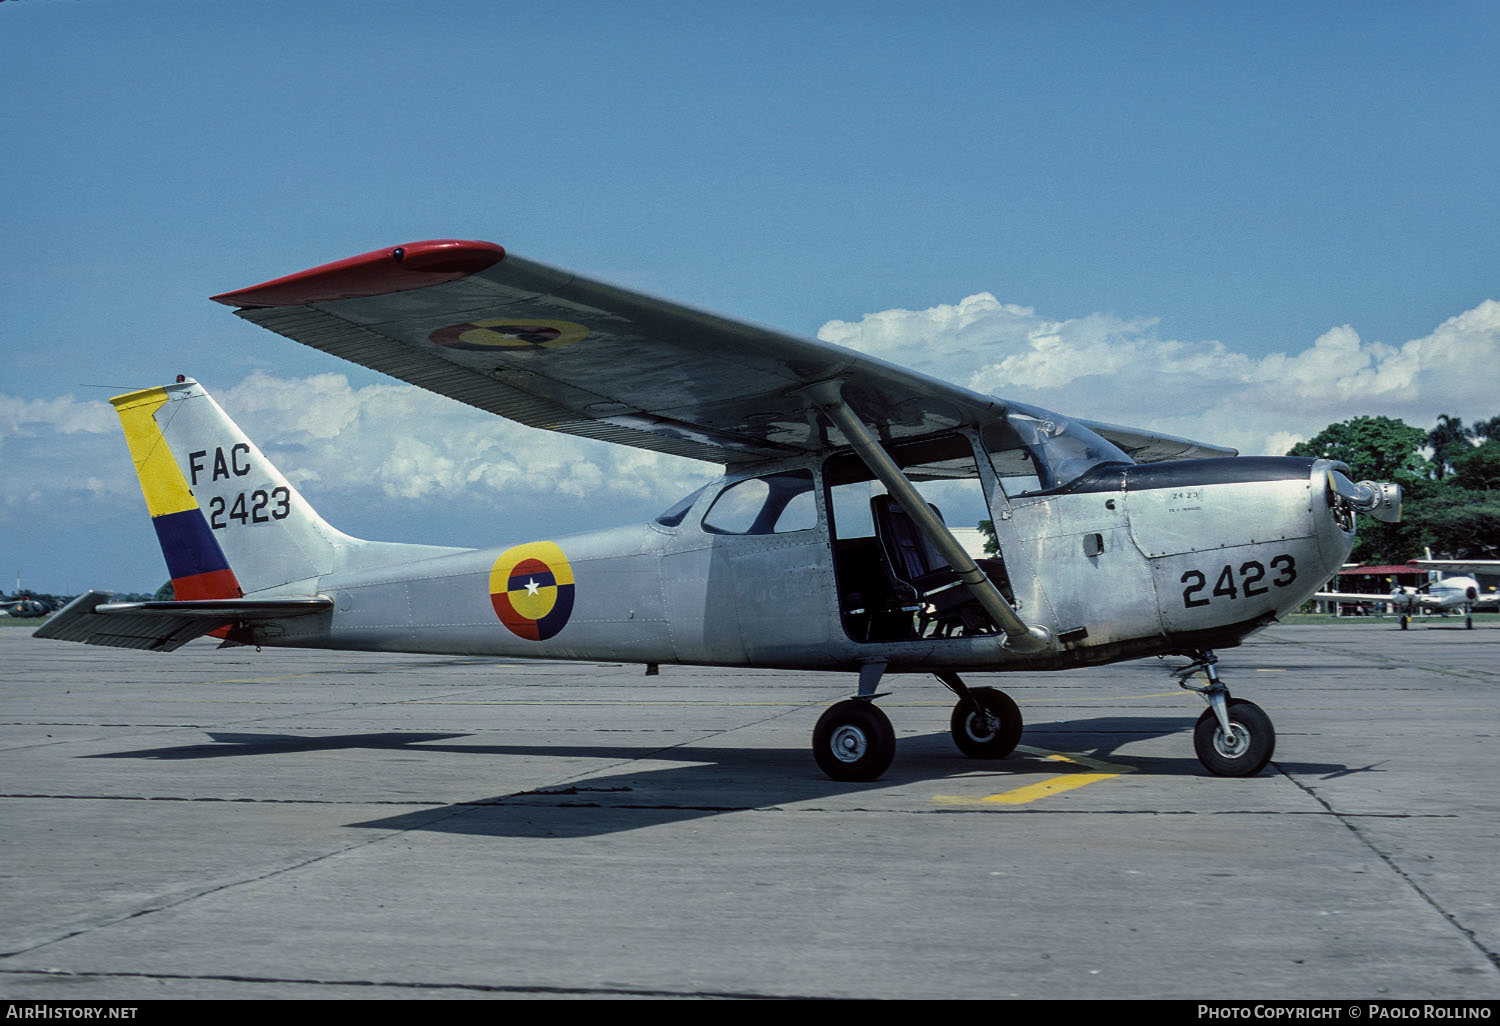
[(775, 504)]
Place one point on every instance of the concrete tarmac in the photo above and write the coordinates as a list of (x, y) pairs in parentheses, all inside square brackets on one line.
[(281, 824)]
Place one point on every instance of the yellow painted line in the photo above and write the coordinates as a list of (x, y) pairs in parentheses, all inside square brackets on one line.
[(1030, 793), (1098, 698), (630, 703), (1044, 788)]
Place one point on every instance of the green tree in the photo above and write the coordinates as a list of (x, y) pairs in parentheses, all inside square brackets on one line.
[(1465, 529), (1380, 449), (1447, 439), (1477, 468), (1375, 448), (1488, 429), (1450, 503)]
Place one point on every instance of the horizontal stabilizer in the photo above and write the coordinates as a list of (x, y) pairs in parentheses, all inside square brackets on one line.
[(163, 626)]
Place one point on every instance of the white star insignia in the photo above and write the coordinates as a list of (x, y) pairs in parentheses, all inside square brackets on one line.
[(531, 586)]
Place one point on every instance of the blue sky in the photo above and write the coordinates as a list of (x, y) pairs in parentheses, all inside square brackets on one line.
[(1304, 195)]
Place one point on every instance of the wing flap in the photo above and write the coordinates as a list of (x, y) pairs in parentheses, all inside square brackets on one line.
[(1459, 566)]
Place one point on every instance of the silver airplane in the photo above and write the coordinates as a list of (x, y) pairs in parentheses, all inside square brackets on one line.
[(1440, 595), (821, 547)]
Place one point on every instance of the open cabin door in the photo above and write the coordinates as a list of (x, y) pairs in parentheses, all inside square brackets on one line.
[(893, 584)]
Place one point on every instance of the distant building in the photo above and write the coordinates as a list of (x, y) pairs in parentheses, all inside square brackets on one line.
[(1369, 580)]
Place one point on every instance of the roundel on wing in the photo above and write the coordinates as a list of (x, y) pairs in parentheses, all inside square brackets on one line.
[(508, 333), (531, 588)]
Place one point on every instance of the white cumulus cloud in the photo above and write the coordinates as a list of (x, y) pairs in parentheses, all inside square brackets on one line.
[(1123, 371), (410, 445), (403, 448)]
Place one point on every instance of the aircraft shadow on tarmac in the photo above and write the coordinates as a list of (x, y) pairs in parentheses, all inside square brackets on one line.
[(712, 780), (230, 745)]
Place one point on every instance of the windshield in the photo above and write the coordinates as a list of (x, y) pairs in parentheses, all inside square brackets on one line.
[(1061, 450), (679, 510)]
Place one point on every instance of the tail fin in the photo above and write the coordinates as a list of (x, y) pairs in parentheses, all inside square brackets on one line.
[(228, 522)]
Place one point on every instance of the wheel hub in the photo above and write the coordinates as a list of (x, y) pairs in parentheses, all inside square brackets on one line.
[(1234, 746), (982, 727), (849, 744)]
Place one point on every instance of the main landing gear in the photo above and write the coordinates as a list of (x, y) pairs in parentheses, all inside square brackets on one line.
[(985, 723), (854, 740), (1233, 737)]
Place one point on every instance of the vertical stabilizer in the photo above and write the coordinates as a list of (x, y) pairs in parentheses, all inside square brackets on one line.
[(195, 560), (228, 522)]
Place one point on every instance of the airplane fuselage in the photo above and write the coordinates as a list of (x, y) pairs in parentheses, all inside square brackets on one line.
[(1210, 549), (1448, 593)]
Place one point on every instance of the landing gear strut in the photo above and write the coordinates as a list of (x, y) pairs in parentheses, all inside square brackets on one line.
[(986, 723), (1233, 737)]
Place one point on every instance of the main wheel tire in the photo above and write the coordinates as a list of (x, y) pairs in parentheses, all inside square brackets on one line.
[(986, 737), (1246, 752), (854, 741)]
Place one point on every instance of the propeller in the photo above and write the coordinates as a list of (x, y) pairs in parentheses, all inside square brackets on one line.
[(1380, 499)]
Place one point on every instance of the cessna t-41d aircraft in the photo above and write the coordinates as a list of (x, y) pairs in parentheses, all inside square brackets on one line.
[(824, 545)]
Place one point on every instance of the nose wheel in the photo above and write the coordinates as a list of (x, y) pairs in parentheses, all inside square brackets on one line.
[(1241, 751), (1233, 737)]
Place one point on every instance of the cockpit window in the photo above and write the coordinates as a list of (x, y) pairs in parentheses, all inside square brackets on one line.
[(774, 504), (679, 510), (1038, 451)]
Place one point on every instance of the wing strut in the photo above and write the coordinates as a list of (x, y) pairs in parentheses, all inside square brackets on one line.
[(1019, 635)]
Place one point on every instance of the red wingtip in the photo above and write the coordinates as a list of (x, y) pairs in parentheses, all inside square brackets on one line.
[(397, 269)]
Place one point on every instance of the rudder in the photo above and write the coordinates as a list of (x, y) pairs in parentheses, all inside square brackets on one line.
[(228, 522)]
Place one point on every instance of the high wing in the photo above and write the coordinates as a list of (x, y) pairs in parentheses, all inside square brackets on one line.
[(1372, 599), (554, 350), (1460, 566)]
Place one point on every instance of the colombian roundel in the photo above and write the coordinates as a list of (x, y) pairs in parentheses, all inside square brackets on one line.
[(531, 587), (513, 333)]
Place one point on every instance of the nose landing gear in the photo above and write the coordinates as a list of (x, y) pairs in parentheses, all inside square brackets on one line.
[(1233, 737)]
